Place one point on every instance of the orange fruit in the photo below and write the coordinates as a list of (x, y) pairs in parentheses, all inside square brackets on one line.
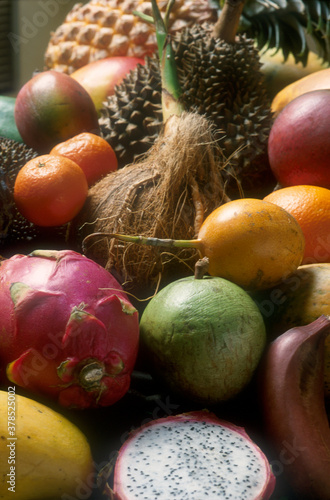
[(92, 153), (310, 205), (50, 190), (251, 242)]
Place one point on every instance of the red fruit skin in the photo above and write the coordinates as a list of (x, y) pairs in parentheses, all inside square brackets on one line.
[(293, 405), (99, 78), (299, 141), (192, 416), (62, 317), (52, 107)]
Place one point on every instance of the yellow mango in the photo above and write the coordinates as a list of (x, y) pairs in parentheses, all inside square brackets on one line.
[(315, 81), (42, 454)]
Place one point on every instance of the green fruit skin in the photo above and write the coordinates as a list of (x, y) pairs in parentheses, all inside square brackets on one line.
[(8, 126), (51, 108), (301, 299), (203, 337)]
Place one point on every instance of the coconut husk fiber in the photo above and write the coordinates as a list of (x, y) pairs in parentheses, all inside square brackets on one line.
[(167, 194)]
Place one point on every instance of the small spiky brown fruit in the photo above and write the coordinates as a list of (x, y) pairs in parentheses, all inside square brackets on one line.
[(13, 156), (105, 28), (219, 79)]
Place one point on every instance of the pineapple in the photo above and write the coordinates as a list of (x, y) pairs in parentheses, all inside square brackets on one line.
[(297, 27), (105, 28)]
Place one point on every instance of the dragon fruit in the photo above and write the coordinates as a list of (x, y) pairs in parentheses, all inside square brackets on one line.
[(67, 329), (191, 456)]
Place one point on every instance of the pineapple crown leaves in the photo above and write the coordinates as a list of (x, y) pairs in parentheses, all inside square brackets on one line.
[(295, 26), (171, 90)]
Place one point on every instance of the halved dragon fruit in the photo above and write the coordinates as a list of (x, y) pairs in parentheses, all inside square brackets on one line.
[(192, 456), (67, 329)]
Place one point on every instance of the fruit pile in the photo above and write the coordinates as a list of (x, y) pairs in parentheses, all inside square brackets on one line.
[(164, 265)]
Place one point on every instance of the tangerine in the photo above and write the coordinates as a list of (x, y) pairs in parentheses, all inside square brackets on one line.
[(310, 205), (50, 190), (92, 153)]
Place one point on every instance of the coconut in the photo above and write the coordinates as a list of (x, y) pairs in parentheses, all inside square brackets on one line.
[(165, 195)]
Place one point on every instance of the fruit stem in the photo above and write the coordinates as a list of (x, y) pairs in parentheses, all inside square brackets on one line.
[(144, 240), (91, 375), (228, 22), (201, 268), (171, 90)]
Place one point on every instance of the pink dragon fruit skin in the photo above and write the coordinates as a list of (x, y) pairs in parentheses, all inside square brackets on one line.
[(67, 329), (191, 456)]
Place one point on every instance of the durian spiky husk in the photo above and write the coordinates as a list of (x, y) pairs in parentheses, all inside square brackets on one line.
[(220, 80), (165, 195), (104, 28), (13, 226), (17, 234)]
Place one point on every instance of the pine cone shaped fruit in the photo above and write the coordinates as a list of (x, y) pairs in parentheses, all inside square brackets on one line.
[(219, 79), (105, 28), (132, 118)]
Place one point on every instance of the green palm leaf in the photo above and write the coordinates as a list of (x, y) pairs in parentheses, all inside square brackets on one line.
[(295, 26)]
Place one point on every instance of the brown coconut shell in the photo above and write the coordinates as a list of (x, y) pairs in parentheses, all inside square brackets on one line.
[(165, 195)]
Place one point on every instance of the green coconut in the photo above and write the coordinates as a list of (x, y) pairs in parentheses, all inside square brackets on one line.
[(203, 338)]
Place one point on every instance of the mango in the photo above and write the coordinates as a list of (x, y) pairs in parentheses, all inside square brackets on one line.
[(298, 145), (42, 454), (51, 108), (315, 81), (99, 78)]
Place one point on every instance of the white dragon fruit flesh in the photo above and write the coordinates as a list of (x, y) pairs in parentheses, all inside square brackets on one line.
[(193, 456)]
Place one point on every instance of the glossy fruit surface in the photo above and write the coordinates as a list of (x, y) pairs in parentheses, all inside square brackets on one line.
[(293, 408), (50, 190), (100, 77), (68, 330), (251, 242), (92, 153), (54, 455), (299, 146), (314, 81), (299, 300), (52, 107), (310, 205)]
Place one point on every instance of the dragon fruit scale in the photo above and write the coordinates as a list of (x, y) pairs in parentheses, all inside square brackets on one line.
[(67, 329), (191, 456)]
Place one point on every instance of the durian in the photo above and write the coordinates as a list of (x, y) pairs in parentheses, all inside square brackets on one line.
[(105, 28), (166, 194), (16, 232), (219, 79)]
